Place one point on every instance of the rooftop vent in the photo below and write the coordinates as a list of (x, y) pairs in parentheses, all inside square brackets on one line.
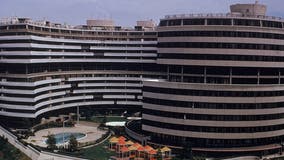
[(255, 9), (100, 23)]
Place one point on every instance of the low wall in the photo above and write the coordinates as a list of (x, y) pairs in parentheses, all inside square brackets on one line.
[(244, 158), (138, 137), (133, 134)]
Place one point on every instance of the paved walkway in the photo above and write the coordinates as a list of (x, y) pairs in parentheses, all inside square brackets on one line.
[(90, 129), (274, 156)]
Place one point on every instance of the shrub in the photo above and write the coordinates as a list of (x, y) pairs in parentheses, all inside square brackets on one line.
[(73, 143), (51, 142)]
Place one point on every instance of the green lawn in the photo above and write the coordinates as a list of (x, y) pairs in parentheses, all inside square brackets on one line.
[(9, 152), (99, 152)]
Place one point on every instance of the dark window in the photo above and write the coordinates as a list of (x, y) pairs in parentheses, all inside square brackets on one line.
[(176, 22), (220, 34), (222, 57), (246, 22), (213, 129), (194, 22), (163, 23), (212, 93), (272, 24), (150, 33), (218, 21), (220, 45), (135, 33)]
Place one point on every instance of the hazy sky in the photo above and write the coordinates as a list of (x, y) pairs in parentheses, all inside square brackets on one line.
[(124, 12)]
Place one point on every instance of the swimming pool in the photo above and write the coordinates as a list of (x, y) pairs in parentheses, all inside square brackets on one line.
[(59, 137)]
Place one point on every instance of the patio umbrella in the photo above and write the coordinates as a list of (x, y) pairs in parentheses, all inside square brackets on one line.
[(122, 138), (129, 143), (124, 151), (112, 141)]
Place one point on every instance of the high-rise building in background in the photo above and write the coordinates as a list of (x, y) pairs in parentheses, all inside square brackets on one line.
[(52, 67)]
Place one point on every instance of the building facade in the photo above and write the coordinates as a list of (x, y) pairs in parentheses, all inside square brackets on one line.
[(212, 80), (225, 75), (47, 67)]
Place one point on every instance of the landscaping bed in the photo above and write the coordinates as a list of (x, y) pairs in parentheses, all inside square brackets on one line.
[(99, 152), (9, 152), (104, 119)]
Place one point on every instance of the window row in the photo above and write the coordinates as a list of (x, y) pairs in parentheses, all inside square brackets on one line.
[(208, 117), (189, 92), (224, 80), (55, 67), (222, 143), (225, 70), (213, 129), (221, 45), (221, 57), (115, 33), (83, 45), (215, 21), (186, 104), (220, 34)]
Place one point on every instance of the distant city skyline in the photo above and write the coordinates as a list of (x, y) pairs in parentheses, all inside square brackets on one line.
[(123, 12)]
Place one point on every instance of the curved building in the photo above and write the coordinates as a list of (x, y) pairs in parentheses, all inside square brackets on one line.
[(224, 90), (212, 80), (46, 67)]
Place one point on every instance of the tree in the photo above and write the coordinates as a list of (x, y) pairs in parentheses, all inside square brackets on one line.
[(159, 154), (186, 150), (51, 142), (104, 120), (73, 143)]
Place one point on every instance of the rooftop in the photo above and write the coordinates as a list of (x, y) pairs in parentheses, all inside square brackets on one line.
[(90, 25), (249, 11), (222, 15)]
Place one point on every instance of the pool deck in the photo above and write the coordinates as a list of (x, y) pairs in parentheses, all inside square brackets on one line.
[(90, 129), (116, 124)]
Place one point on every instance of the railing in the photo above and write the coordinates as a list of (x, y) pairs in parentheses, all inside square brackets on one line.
[(34, 150), (244, 158), (63, 157), (220, 15), (44, 23), (10, 134), (134, 135), (14, 20)]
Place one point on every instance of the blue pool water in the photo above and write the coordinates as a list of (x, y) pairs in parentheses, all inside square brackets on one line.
[(67, 135)]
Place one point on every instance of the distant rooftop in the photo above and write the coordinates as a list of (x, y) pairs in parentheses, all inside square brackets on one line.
[(90, 24), (255, 10), (221, 15)]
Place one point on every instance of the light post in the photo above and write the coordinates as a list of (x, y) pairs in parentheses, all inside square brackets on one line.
[(78, 114), (63, 133)]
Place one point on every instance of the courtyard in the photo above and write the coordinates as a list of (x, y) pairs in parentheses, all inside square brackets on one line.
[(90, 130)]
